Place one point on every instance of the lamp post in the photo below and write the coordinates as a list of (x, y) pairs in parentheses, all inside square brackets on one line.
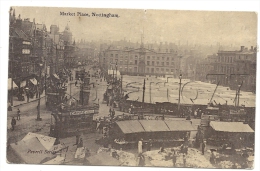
[(39, 95), (151, 92), (179, 94)]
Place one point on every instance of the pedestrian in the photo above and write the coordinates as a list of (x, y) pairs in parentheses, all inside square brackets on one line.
[(18, 114), (13, 123), (174, 157), (28, 97), (212, 157), (149, 145), (141, 160), (80, 144), (113, 113), (203, 147), (77, 137), (184, 160), (140, 146), (110, 111)]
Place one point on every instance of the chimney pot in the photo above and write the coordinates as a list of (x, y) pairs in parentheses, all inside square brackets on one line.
[(242, 48)]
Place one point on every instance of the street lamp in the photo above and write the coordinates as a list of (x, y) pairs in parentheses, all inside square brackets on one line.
[(39, 95), (179, 95)]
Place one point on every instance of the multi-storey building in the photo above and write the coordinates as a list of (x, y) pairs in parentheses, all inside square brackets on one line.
[(231, 69), (141, 61)]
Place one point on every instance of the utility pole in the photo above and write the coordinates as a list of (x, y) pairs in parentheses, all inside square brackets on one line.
[(143, 93), (39, 100), (179, 95)]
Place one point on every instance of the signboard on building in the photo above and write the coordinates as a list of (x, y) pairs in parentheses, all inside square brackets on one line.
[(82, 112)]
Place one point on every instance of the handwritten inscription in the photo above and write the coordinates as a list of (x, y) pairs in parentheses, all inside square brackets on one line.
[(93, 14), (54, 151)]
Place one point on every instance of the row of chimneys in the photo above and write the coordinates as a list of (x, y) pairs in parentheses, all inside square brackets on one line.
[(243, 48)]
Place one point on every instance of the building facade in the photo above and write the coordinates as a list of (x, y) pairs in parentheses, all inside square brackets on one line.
[(140, 61)]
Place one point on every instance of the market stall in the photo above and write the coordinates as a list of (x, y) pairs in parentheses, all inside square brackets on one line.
[(236, 133), (168, 132)]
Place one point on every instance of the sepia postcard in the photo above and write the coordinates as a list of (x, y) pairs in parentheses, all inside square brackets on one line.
[(131, 87)]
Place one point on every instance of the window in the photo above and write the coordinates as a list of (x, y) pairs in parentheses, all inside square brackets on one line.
[(26, 43), (135, 69), (26, 51), (157, 63), (163, 58), (121, 62), (172, 63), (135, 62), (126, 56), (172, 58), (148, 57), (157, 69), (116, 55), (162, 69), (111, 55), (147, 69), (167, 63), (136, 56), (162, 63), (153, 57), (172, 70), (148, 62), (125, 61), (167, 59), (152, 63), (231, 60), (158, 58)]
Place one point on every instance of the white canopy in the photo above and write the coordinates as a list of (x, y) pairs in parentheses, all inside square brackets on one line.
[(10, 84)]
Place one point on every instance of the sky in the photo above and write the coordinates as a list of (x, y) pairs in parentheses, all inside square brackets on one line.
[(193, 27)]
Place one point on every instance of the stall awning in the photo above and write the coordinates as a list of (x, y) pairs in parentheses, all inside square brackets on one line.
[(56, 76), (34, 81), (154, 125), (179, 125), (131, 126), (10, 84), (237, 127)]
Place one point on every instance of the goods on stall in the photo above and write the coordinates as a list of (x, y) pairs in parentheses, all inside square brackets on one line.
[(226, 164), (127, 159), (193, 158)]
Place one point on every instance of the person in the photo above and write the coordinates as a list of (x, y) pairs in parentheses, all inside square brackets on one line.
[(28, 97), (13, 123), (184, 160), (195, 113), (77, 138), (141, 160), (18, 114), (80, 144), (113, 113), (212, 157), (149, 145), (174, 157), (203, 147), (140, 144), (110, 111)]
